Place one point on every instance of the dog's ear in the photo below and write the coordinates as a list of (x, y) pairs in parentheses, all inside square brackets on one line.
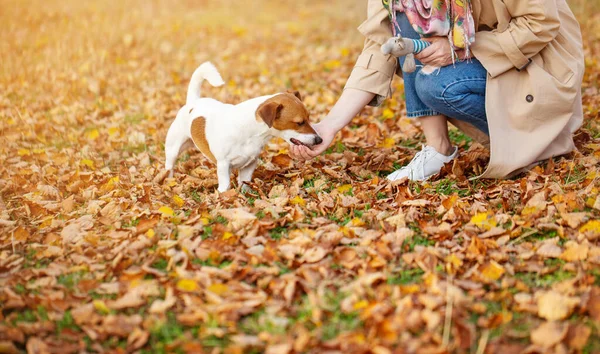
[(297, 94), (270, 111)]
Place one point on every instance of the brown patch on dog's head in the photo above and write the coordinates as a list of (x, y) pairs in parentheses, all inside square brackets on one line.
[(285, 112)]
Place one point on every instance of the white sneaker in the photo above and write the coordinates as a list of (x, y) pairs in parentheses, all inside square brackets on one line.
[(425, 164)]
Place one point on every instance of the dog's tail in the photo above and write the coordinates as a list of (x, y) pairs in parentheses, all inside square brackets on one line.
[(205, 71)]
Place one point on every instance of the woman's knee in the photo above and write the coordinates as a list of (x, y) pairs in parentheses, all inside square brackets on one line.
[(428, 90)]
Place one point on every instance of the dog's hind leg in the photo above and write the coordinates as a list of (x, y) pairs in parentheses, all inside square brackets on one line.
[(245, 175), (173, 148), (224, 175)]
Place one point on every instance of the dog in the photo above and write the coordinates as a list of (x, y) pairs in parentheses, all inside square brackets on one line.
[(233, 136)]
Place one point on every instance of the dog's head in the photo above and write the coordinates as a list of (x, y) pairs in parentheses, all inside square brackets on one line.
[(288, 117)]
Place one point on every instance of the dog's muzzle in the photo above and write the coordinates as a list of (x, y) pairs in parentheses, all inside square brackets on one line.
[(316, 141)]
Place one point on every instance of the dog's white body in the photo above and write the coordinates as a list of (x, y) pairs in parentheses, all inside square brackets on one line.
[(235, 136)]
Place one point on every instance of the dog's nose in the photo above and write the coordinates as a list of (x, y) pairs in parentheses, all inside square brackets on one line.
[(318, 140)]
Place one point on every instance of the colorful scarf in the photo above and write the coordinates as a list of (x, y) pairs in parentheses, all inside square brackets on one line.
[(452, 18)]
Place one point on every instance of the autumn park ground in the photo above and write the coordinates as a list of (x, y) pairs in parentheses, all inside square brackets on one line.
[(99, 252)]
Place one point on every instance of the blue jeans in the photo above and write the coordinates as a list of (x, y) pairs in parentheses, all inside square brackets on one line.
[(456, 91)]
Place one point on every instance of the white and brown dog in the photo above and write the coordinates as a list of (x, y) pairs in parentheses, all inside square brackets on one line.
[(232, 136)]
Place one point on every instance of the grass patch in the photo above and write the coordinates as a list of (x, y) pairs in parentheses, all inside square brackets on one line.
[(160, 264), (448, 187), (546, 280), (541, 236), (70, 280), (165, 333), (416, 240), (278, 232), (408, 276), (196, 196), (258, 322), (575, 176), (66, 322), (338, 322), (459, 138)]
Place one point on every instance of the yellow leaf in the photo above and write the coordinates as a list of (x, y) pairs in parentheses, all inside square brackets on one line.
[(453, 260), (387, 114), (101, 307), (298, 200), (591, 228), (240, 31), (227, 235), (166, 211), (178, 201), (88, 163), (150, 233), (387, 143), (23, 152), (171, 182), (112, 131), (345, 52), (345, 188), (205, 221), (187, 285), (218, 288), (530, 210), (332, 64), (483, 220), (93, 134), (38, 151), (46, 223), (492, 271), (345, 231), (410, 288), (361, 305), (110, 185), (357, 222)]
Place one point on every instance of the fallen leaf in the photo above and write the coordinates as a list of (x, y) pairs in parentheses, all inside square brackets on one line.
[(549, 334), (554, 306)]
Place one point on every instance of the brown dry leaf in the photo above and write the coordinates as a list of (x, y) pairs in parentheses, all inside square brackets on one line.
[(283, 348), (554, 306), (314, 254), (578, 336), (574, 219), (575, 252), (549, 334), (593, 304), (37, 346), (238, 217), (550, 250)]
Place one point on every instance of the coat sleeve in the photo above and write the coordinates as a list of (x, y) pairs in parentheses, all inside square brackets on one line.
[(374, 71), (533, 24)]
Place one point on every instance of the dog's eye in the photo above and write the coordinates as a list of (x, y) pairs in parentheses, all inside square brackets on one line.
[(301, 123)]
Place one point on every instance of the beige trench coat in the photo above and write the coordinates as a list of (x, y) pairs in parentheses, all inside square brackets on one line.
[(533, 52)]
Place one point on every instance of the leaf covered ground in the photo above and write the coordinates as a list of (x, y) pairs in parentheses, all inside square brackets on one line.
[(99, 252)]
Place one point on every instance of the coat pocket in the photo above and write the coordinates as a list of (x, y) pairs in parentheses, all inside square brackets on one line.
[(553, 59)]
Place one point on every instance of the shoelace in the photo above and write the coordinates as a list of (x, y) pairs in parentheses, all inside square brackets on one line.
[(418, 162)]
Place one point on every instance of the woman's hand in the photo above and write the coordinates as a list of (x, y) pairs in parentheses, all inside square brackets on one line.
[(326, 133), (439, 53)]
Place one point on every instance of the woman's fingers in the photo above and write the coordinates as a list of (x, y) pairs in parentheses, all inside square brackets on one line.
[(428, 53), (305, 152), (296, 152)]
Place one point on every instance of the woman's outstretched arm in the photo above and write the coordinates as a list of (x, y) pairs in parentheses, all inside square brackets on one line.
[(350, 103)]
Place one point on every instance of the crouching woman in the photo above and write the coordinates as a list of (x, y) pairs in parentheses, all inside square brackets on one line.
[(517, 89)]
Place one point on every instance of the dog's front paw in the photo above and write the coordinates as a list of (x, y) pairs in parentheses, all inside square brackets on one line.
[(244, 188)]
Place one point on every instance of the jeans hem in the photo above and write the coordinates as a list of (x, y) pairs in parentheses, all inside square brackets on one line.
[(425, 113)]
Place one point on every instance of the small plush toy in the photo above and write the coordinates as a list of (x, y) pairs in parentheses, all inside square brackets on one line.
[(399, 47)]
